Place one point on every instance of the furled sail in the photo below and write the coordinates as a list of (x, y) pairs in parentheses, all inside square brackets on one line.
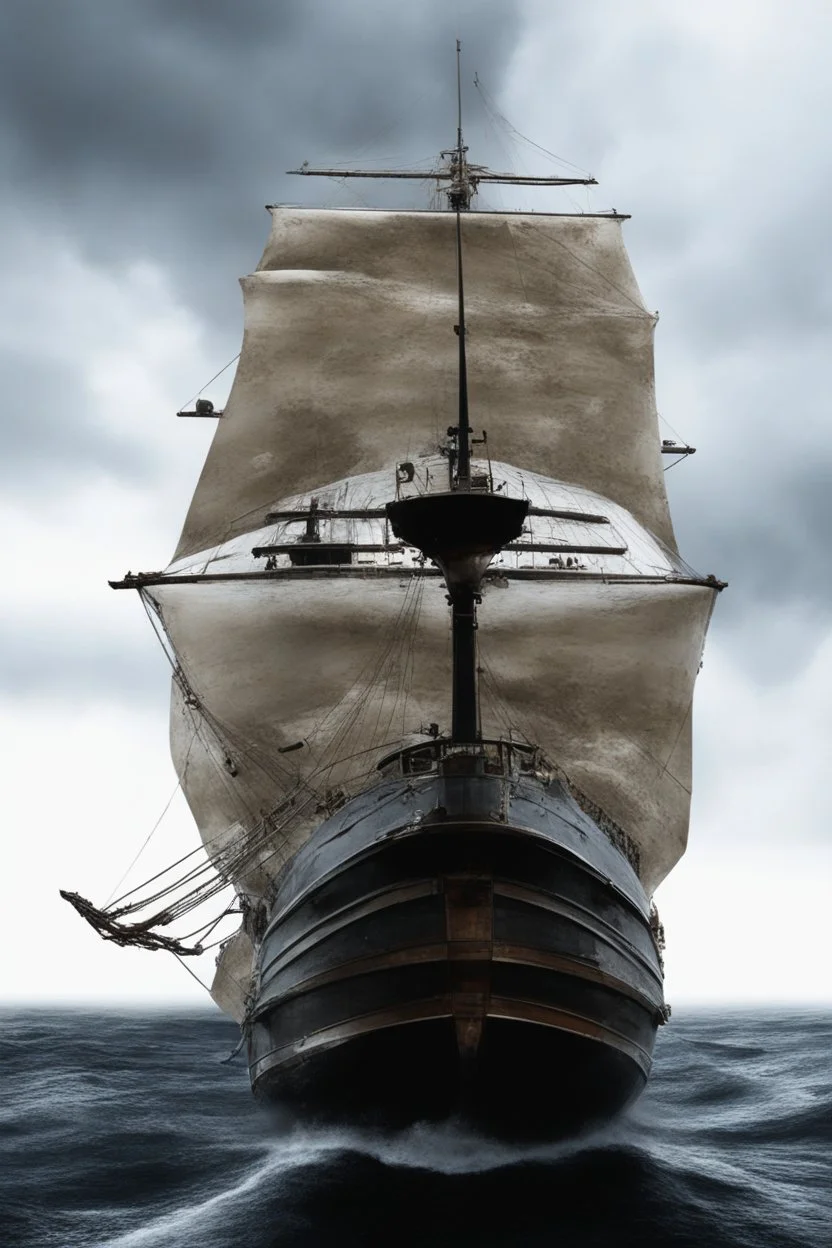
[(308, 641)]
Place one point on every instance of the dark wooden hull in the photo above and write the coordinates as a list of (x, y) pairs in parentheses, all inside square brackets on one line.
[(458, 945)]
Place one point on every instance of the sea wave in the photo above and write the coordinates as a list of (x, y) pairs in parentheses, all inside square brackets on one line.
[(125, 1131)]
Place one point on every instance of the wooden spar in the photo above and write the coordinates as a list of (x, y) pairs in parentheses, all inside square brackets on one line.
[(379, 513), (564, 548), (476, 173), (140, 580)]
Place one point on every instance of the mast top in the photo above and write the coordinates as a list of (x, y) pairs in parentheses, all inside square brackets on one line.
[(456, 176)]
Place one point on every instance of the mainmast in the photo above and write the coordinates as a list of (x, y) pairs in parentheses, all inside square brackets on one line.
[(460, 197), (465, 717), (463, 529)]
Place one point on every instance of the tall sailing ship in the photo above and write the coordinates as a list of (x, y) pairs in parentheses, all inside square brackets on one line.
[(433, 653)]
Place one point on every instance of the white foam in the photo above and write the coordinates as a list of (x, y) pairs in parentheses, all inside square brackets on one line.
[(188, 1224), (446, 1149)]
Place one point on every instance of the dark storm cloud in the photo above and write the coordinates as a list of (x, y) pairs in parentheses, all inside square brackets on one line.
[(762, 525), (160, 130)]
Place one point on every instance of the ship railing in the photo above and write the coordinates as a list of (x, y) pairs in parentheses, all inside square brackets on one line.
[(511, 760), (490, 757)]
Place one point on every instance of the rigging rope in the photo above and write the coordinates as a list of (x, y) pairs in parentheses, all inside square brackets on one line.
[(492, 111), (385, 686), (145, 843)]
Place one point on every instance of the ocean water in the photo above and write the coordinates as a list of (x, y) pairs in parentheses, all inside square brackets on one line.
[(124, 1130)]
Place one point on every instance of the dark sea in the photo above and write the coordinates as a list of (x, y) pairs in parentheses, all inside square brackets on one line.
[(123, 1129)]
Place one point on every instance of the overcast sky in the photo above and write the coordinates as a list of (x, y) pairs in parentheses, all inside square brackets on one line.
[(140, 141)]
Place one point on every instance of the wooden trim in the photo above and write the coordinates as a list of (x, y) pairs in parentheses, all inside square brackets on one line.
[(520, 955), (409, 829), (565, 1020), (440, 951), (328, 1037), (343, 917), (567, 909), (440, 1007), (469, 924)]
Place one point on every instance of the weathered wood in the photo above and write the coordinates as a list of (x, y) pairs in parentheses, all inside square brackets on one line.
[(458, 962)]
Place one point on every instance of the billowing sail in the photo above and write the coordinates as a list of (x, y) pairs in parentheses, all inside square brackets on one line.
[(309, 641), (594, 665), (349, 362)]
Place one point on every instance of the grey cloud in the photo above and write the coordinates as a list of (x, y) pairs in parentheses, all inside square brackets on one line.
[(77, 666), (161, 129), (771, 287), (677, 140), (755, 505), (158, 130), (786, 535), (770, 544), (48, 439)]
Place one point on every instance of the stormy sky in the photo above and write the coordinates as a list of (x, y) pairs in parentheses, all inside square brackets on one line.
[(140, 141)]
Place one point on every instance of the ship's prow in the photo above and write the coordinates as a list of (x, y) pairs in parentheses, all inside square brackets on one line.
[(460, 940)]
